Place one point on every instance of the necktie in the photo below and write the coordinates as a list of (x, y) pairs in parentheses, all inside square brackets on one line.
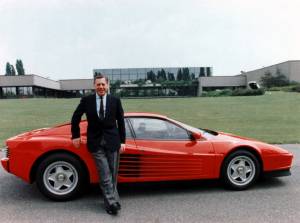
[(101, 112)]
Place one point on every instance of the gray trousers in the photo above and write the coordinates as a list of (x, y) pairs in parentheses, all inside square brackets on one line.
[(107, 163)]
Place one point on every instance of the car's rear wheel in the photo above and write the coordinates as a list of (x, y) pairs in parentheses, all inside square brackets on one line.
[(240, 170), (60, 177)]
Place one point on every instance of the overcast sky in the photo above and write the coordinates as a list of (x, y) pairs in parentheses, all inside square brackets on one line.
[(69, 38)]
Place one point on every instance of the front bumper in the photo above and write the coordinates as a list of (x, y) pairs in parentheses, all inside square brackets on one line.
[(277, 162)]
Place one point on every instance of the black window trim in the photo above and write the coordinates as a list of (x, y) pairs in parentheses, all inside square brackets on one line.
[(130, 129)]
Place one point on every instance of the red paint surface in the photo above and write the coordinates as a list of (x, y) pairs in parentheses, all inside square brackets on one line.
[(144, 160)]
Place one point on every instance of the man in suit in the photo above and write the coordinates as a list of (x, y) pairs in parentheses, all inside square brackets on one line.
[(105, 137)]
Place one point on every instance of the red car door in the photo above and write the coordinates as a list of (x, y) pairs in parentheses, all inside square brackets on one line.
[(129, 164), (167, 152)]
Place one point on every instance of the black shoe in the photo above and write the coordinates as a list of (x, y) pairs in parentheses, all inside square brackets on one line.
[(118, 206), (113, 209)]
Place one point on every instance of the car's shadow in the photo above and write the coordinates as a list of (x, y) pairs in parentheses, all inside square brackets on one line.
[(15, 189), (184, 187)]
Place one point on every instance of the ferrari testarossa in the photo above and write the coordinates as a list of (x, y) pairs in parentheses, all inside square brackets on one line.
[(157, 149)]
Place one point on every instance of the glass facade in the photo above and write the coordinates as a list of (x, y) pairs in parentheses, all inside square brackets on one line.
[(35, 91), (132, 74), (25, 91), (9, 92), (173, 90)]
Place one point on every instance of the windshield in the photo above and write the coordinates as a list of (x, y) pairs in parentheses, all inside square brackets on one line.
[(188, 127), (193, 129)]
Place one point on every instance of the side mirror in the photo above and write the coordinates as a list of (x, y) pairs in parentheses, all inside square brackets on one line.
[(196, 135)]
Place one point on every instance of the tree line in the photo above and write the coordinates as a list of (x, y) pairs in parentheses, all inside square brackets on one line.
[(10, 69), (183, 74), (279, 80)]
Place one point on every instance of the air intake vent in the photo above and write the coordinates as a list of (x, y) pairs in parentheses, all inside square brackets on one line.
[(129, 165)]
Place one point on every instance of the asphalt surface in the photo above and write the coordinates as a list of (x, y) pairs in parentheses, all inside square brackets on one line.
[(271, 200)]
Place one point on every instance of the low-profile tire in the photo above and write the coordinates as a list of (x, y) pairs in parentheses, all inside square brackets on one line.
[(60, 177), (240, 170)]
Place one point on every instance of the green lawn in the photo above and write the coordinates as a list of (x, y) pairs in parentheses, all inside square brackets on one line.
[(274, 117)]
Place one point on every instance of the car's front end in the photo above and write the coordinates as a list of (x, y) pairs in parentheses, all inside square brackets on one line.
[(276, 161), (21, 151), (17, 158), (10, 147)]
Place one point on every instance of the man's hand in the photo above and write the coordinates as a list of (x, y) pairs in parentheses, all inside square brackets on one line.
[(122, 148), (76, 142)]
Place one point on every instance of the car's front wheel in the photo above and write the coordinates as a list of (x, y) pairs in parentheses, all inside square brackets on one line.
[(60, 176), (240, 170)]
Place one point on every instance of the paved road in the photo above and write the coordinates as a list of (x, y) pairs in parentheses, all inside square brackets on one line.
[(274, 200)]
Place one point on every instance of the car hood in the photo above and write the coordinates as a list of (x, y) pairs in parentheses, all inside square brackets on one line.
[(236, 141), (59, 130), (236, 137)]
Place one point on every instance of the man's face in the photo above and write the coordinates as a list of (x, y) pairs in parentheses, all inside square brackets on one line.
[(101, 86)]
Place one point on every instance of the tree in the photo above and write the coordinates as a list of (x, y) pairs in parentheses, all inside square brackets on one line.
[(179, 74), (139, 82), (8, 69), (13, 71), (279, 80), (161, 75), (202, 72), (208, 72), (186, 74), (171, 77), (151, 76), (266, 80), (20, 68), (193, 76)]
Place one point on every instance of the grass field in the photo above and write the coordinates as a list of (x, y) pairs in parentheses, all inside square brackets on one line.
[(274, 117)]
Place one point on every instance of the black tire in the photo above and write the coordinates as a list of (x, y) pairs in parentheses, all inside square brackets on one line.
[(60, 177), (240, 170)]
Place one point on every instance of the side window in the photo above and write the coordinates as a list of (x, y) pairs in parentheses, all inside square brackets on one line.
[(151, 128), (128, 132)]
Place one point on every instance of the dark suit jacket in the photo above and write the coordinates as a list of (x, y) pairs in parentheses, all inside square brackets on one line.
[(112, 128)]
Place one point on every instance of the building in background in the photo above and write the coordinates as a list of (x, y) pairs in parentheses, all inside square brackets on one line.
[(31, 85), (125, 82), (133, 74), (28, 86), (221, 82), (152, 82), (142, 82), (290, 69)]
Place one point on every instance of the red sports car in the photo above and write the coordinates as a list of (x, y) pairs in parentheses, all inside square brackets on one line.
[(157, 149)]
